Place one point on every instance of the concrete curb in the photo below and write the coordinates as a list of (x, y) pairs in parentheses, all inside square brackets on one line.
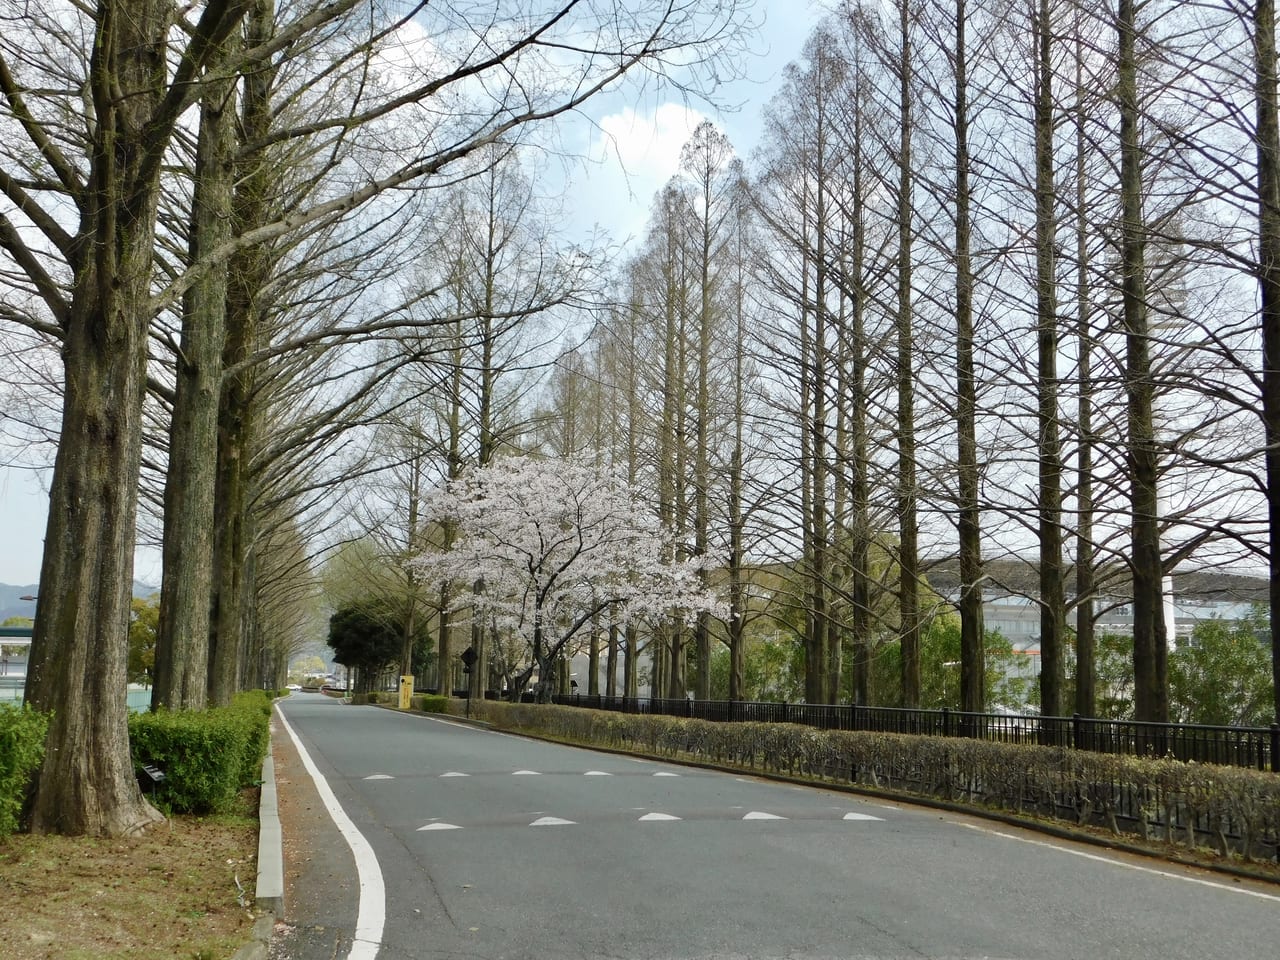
[(260, 946), (270, 893)]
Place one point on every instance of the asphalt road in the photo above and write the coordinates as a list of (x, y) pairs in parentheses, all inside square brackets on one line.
[(493, 846)]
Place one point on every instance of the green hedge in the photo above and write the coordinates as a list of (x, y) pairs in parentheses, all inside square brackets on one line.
[(430, 703), (1234, 809), (207, 756), (22, 733)]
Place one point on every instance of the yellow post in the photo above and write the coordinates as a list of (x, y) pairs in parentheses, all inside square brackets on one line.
[(406, 691)]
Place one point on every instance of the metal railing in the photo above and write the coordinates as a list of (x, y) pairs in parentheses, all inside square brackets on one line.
[(1255, 747)]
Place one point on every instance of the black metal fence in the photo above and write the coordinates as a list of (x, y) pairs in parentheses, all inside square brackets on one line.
[(1256, 747)]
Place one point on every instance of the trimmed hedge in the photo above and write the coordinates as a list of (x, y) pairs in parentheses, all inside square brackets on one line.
[(22, 733), (430, 703), (1234, 809), (421, 702), (207, 756)]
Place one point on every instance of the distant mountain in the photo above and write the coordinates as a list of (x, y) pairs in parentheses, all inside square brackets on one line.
[(12, 606)]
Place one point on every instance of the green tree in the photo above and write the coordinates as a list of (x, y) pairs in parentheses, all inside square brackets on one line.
[(1223, 675), (940, 668), (144, 623), (365, 641)]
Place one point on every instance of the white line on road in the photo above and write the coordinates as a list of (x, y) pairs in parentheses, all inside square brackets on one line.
[(372, 910), (1168, 874)]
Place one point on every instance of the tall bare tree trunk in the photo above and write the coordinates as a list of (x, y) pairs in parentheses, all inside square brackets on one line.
[(1048, 441), (856, 399), (1086, 695), (181, 678), (972, 646), (1268, 149), (77, 666), (247, 274), (908, 524), (1150, 651)]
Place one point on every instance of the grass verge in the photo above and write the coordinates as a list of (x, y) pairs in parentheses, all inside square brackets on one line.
[(182, 891)]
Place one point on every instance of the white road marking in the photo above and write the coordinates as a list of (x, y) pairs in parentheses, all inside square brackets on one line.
[(551, 822), (371, 913), (597, 773), (380, 776), (862, 816), (454, 773), (757, 815), (664, 773), (526, 773), (658, 816), (440, 826), (1167, 874)]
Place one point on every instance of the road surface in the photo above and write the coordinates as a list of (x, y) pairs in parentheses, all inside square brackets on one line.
[(466, 843)]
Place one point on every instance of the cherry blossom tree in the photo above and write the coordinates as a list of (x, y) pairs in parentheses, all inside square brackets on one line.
[(553, 544)]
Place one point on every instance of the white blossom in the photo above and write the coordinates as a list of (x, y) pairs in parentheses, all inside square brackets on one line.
[(550, 544)]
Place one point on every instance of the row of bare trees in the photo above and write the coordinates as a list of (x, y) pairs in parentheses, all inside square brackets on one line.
[(997, 283), (204, 210)]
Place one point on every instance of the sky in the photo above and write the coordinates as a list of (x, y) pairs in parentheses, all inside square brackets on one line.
[(631, 142)]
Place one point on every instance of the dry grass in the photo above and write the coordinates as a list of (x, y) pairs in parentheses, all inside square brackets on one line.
[(171, 894)]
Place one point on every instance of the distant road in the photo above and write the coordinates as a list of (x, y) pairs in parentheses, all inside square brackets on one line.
[(494, 846)]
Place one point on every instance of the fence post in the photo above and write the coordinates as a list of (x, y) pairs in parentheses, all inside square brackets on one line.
[(1077, 732), (1275, 748), (946, 722)]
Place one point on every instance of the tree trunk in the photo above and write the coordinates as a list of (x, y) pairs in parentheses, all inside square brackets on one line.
[(247, 274), (908, 535), (77, 667), (611, 662), (1150, 651), (182, 641), (1085, 670), (1048, 443), (859, 480), (972, 646), (1268, 149)]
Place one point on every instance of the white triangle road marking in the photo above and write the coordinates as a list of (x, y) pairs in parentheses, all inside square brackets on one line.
[(862, 816), (664, 773), (439, 826), (597, 773), (550, 822), (380, 776), (757, 815), (658, 816), (454, 773), (526, 773)]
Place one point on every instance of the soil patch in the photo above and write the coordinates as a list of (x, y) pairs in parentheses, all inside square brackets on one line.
[(182, 891)]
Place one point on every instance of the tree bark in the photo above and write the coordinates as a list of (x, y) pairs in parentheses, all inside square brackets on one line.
[(182, 640), (1268, 149), (972, 645), (1048, 442), (1150, 651), (1085, 678), (78, 660), (908, 524)]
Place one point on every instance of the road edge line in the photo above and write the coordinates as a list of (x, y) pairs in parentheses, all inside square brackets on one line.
[(371, 912), (1116, 862)]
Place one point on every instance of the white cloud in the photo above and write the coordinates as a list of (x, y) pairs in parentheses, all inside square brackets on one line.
[(647, 145), (631, 155)]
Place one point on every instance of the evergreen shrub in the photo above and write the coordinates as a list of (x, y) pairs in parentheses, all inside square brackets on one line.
[(22, 732), (207, 756)]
